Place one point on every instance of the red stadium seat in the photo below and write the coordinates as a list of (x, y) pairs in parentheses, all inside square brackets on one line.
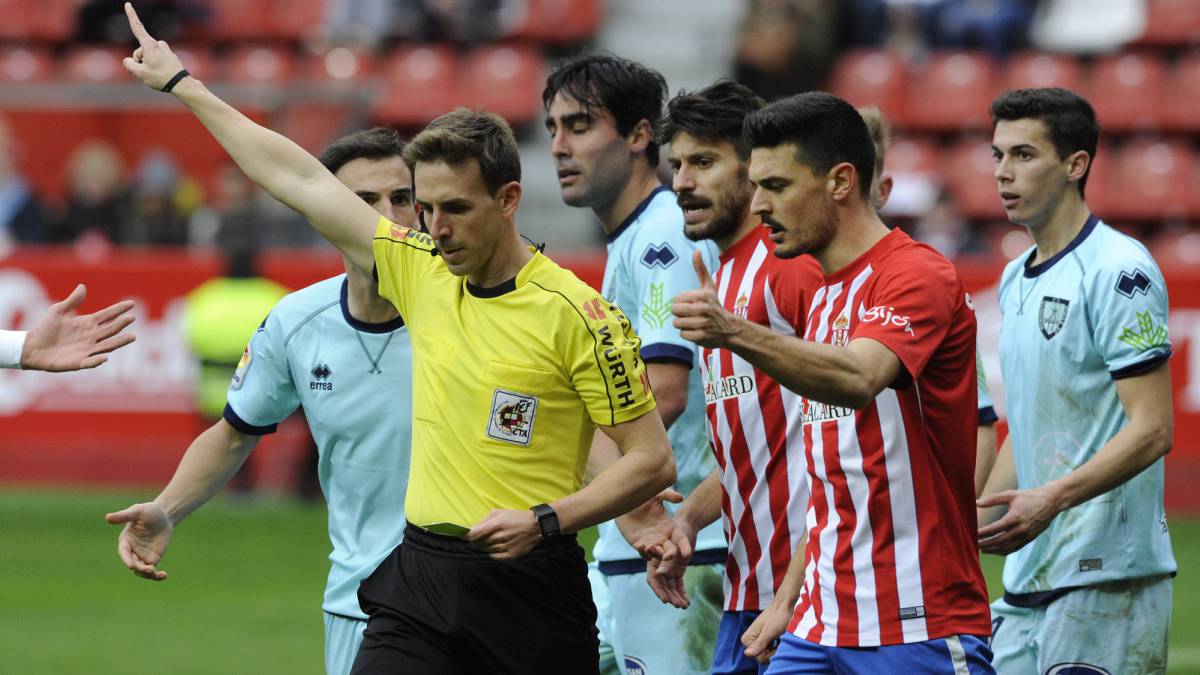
[(951, 92), (1181, 95), (1146, 179), (95, 65), (24, 64), (419, 84), (340, 64), (875, 78), (16, 19), (233, 20), (1172, 22), (505, 79), (911, 155), (1126, 91), (294, 20), (558, 21), (1032, 69), (969, 172), (53, 20), (258, 64)]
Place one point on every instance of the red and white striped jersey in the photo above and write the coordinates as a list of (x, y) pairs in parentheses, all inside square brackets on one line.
[(891, 556), (754, 424)]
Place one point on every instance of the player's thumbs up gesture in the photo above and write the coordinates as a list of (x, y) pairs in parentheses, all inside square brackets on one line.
[(699, 315), (152, 62)]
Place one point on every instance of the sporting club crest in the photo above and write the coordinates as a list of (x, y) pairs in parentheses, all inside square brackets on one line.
[(512, 417), (1052, 316)]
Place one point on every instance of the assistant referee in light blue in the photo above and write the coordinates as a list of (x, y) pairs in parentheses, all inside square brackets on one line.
[(1083, 353), (342, 353)]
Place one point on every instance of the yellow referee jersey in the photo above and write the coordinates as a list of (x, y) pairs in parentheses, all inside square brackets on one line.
[(508, 383)]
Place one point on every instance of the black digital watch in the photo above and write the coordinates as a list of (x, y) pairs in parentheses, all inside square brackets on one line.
[(547, 520)]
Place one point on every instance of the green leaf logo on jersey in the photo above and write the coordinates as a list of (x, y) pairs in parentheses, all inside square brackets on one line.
[(657, 309), (1148, 334)]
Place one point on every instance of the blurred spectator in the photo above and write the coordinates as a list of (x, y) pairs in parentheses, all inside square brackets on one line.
[(999, 26), (1086, 26), (366, 23), (240, 215), (787, 46), (104, 20), (22, 216), (944, 228), (161, 200), (98, 194)]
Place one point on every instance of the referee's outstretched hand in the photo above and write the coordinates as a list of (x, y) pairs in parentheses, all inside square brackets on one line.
[(63, 341), (506, 533), (699, 315), (152, 62), (144, 539)]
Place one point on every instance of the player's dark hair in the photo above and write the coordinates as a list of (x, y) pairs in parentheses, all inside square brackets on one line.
[(629, 91), (376, 143), (462, 135), (826, 131), (715, 113), (1069, 119)]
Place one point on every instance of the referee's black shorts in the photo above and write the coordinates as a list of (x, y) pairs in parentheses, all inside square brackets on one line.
[(437, 606)]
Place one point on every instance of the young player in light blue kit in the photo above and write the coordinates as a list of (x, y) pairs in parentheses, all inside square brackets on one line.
[(341, 352), (1083, 351), (600, 111)]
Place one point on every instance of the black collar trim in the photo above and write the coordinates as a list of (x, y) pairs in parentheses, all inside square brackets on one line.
[(364, 326), (636, 212), (1032, 271), (492, 291)]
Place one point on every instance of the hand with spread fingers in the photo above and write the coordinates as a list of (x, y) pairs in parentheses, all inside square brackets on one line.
[(1029, 514), (699, 315), (63, 341), (152, 62)]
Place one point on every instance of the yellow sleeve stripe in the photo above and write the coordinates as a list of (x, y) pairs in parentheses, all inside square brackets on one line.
[(595, 349)]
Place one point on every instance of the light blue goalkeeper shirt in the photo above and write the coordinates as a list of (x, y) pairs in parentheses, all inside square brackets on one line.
[(354, 381), (1072, 326)]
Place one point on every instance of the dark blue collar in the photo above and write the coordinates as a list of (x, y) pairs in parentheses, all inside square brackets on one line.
[(385, 327), (636, 212), (1032, 271)]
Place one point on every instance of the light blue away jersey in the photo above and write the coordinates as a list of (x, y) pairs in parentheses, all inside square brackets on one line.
[(1070, 327), (354, 381), (649, 263)]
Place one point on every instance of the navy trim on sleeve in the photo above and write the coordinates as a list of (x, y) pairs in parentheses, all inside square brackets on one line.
[(244, 426), (667, 352), (365, 326), (1032, 271), (987, 416), (1142, 367), (636, 212), (615, 568)]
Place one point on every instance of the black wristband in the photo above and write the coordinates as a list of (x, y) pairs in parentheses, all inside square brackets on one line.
[(547, 521), (175, 80)]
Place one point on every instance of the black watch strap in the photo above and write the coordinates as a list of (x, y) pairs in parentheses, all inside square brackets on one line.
[(547, 520)]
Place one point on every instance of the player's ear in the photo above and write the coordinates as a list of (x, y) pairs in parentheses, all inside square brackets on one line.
[(842, 181), (640, 137), (509, 197), (1078, 163)]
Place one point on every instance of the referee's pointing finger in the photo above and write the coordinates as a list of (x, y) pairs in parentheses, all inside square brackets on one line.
[(135, 24)]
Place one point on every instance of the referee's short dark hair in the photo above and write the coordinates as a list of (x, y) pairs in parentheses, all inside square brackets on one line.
[(826, 131), (462, 135), (715, 113), (376, 143), (1069, 119), (628, 90)]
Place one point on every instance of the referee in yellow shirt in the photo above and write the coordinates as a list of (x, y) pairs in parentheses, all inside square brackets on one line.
[(516, 363)]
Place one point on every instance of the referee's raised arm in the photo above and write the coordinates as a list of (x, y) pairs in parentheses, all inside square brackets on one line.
[(278, 165)]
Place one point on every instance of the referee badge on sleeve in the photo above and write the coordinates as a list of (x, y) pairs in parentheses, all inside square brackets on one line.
[(239, 375), (512, 417)]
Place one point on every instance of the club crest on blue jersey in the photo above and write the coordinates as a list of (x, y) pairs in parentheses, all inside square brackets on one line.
[(661, 255), (635, 666), (1075, 669), (322, 375), (512, 417), (1130, 284), (1052, 315)]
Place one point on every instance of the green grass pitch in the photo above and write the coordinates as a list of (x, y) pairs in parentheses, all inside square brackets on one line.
[(245, 590)]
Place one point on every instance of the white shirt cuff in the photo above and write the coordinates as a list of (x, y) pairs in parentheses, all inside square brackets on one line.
[(11, 343)]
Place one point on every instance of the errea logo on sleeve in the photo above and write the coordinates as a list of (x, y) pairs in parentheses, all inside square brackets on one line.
[(887, 316)]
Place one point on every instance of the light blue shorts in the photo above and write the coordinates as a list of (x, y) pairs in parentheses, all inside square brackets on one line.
[(342, 638), (652, 638), (1118, 627)]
